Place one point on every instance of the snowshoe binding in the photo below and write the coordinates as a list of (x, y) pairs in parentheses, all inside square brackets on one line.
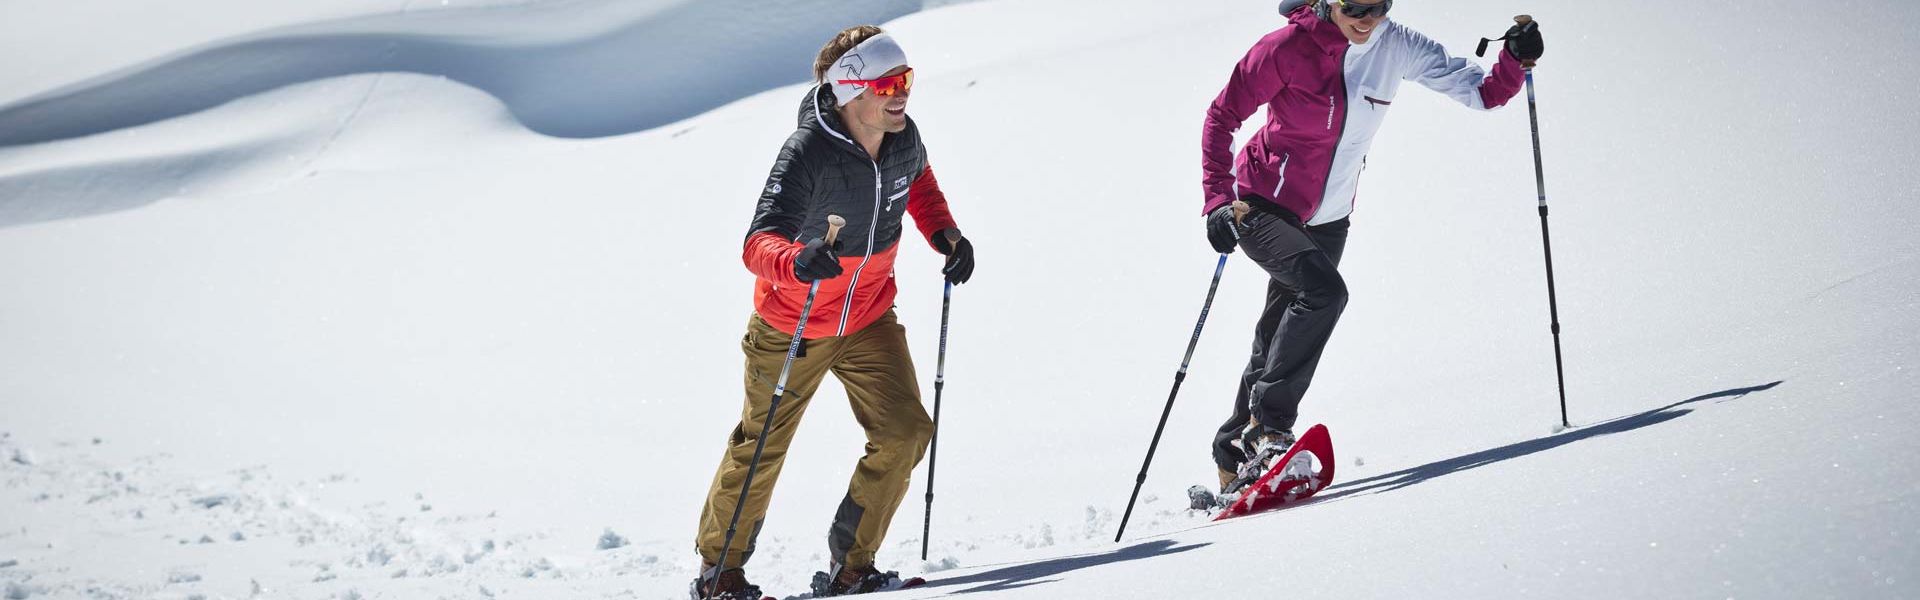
[(1263, 448), (1201, 498)]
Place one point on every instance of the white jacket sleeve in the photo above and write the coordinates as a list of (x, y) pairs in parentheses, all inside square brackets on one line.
[(1429, 65)]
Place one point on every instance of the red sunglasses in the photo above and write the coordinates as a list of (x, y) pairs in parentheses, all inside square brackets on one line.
[(885, 86)]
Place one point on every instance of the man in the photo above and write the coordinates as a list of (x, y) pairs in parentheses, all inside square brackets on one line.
[(855, 154), (1327, 79)]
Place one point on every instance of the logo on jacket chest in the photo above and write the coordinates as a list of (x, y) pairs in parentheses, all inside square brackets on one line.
[(899, 190)]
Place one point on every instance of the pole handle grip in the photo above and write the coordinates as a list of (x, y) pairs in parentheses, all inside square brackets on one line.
[(834, 223), (1240, 210), (953, 236), (1521, 20)]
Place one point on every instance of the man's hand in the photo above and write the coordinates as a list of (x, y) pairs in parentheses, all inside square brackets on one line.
[(1523, 40), (959, 252), (817, 261)]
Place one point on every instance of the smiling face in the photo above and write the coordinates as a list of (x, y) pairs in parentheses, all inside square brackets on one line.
[(1357, 31), (876, 113)]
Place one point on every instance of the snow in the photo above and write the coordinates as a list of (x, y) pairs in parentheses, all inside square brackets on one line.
[(413, 299)]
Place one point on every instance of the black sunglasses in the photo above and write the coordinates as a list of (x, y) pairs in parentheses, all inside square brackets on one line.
[(1362, 11)]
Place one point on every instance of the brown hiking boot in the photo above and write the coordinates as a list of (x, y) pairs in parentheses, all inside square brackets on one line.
[(731, 584), (840, 581)]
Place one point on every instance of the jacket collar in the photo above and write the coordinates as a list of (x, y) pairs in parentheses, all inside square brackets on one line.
[(817, 112)]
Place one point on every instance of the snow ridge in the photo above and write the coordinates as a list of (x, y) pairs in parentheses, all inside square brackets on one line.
[(572, 69)]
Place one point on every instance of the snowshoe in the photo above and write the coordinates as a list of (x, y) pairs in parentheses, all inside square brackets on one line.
[(1292, 478), (840, 581)]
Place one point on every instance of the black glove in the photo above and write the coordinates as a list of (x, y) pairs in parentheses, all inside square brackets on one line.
[(959, 267), (817, 261), (1523, 42), (1220, 229)]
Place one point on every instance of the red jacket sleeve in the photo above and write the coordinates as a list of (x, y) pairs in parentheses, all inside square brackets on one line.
[(1507, 78), (927, 205), (771, 257)]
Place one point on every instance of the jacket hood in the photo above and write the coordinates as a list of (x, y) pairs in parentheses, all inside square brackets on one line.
[(1324, 32)]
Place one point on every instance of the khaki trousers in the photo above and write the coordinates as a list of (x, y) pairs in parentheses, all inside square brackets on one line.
[(877, 372)]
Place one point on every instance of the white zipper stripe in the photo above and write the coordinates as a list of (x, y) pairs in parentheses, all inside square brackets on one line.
[(846, 306), (1283, 176)]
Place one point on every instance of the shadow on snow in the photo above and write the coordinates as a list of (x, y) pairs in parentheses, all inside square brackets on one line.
[(1045, 571), (1406, 477)]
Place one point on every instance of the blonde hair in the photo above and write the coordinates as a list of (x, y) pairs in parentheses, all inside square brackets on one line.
[(838, 46)]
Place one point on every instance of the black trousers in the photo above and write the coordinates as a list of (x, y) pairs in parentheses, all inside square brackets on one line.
[(1304, 299)]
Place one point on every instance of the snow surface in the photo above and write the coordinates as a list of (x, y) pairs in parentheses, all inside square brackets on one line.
[(421, 300)]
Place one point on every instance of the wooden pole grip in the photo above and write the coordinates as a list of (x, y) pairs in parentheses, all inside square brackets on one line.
[(834, 223)]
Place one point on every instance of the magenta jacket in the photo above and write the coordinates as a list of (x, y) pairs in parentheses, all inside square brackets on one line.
[(1325, 99)]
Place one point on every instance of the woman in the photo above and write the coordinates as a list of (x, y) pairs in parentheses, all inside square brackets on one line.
[(1327, 79)]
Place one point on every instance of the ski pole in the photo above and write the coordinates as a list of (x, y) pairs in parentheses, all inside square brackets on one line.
[(939, 381), (834, 223), (1239, 213), (1546, 241)]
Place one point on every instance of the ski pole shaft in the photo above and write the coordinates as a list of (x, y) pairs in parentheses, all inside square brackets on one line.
[(939, 382), (834, 223), (1240, 210), (1546, 243)]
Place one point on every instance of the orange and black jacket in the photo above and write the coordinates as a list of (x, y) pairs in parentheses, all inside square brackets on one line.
[(820, 172)]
